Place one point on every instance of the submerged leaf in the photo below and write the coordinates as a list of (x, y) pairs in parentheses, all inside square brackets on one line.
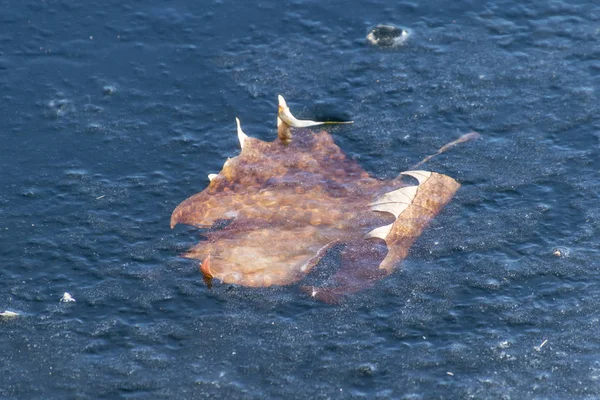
[(289, 201)]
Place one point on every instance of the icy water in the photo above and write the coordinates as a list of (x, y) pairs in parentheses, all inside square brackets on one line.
[(113, 113)]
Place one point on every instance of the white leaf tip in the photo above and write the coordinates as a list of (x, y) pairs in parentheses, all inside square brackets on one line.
[(241, 135), (419, 175), (382, 232)]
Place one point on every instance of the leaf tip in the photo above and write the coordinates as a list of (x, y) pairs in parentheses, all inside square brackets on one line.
[(241, 135)]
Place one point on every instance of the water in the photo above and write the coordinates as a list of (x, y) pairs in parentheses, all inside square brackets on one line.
[(113, 114)]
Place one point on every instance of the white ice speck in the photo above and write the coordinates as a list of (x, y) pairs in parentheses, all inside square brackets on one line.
[(539, 348), (9, 314), (67, 298)]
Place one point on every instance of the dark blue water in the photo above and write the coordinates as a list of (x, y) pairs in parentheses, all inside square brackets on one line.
[(113, 113)]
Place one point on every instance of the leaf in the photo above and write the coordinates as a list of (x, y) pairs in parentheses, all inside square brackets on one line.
[(287, 202)]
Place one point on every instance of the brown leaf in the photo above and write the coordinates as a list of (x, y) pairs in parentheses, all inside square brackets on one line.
[(288, 202)]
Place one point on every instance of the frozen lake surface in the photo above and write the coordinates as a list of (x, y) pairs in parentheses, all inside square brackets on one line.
[(113, 113)]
